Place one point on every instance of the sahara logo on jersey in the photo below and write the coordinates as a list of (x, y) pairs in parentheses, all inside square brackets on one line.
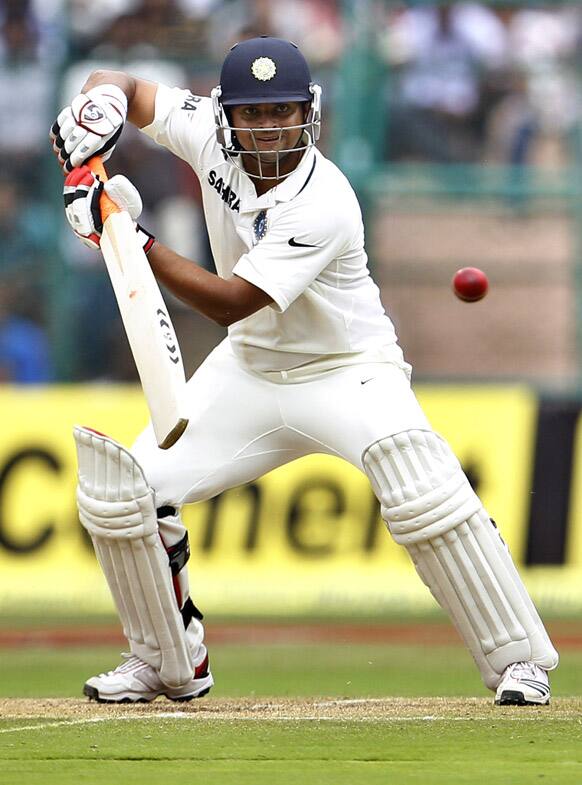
[(228, 196), (190, 102)]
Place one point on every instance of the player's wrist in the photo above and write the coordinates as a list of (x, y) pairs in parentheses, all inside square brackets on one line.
[(145, 238)]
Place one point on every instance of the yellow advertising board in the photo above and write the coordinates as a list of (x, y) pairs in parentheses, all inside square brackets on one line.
[(306, 538)]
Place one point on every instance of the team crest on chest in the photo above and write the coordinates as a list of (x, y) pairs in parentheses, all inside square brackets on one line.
[(260, 226), (263, 69)]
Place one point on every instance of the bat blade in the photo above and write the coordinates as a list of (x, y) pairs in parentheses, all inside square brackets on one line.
[(148, 326)]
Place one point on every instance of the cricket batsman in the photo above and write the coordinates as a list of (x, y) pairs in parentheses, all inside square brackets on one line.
[(311, 364)]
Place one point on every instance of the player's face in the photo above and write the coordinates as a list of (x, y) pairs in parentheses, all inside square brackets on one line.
[(272, 133)]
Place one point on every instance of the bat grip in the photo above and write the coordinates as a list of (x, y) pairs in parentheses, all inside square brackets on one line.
[(107, 205)]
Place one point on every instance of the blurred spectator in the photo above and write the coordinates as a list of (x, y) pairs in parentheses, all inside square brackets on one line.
[(443, 55), (88, 20), (26, 234), (544, 47), (143, 29), (26, 230), (24, 347), (199, 9), (126, 38), (26, 97), (46, 18), (315, 25), (512, 126)]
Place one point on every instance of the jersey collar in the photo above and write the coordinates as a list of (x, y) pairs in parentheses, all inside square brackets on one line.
[(285, 191)]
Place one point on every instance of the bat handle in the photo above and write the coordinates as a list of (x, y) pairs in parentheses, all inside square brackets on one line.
[(107, 205)]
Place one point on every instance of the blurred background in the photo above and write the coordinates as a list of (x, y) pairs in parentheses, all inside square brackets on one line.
[(459, 126)]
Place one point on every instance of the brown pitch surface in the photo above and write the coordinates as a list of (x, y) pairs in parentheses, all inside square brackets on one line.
[(365, 709), (565, 634)]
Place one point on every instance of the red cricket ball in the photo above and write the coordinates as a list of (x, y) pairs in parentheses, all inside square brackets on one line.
[(470, 284)]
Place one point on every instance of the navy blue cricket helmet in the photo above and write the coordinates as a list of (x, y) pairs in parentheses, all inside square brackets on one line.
[(264, 70)]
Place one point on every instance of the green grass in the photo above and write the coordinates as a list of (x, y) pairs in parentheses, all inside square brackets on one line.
[(340, 670), (245, 753), (278, 670), (491, 747)]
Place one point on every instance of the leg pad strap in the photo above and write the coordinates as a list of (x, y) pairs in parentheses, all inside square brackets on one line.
[(179, 554)]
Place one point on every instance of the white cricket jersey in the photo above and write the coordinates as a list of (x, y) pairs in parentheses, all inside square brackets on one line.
[(302, 242)]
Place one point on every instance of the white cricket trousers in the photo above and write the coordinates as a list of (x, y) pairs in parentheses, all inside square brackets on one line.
[(242, 425)]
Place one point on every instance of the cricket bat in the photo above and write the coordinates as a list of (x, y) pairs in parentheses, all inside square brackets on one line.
[(147, 323)]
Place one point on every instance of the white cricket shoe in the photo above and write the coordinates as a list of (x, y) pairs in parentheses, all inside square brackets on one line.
[(523, 684), (134, 681)]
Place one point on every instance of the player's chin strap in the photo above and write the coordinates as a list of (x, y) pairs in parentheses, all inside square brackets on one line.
[(117, 508), (431, 509)]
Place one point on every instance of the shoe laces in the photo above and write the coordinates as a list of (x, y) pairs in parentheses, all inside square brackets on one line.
[(524, 669), (130, 663)]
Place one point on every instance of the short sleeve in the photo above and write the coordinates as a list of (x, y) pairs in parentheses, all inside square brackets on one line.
[(295, 250), (183, 123)]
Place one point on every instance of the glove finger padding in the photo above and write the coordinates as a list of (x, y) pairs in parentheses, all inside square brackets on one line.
[(74, 139), (61, 129), (81, 193)]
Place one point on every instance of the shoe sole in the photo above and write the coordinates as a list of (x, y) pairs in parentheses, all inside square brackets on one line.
[(514, 698), (93, 694)]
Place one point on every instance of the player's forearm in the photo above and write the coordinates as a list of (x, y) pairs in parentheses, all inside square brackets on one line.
[(102, 76), (223, 301)]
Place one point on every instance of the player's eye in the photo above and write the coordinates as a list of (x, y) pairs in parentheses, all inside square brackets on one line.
[(282, 108)]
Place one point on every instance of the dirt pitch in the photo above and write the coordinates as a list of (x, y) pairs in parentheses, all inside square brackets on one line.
[(349, 710), (565, 634)]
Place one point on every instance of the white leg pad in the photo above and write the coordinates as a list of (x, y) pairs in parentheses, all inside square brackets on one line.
[(117, 508), (431, 509)]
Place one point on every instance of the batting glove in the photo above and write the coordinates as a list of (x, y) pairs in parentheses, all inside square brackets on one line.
[(91, 125), (82, 195)]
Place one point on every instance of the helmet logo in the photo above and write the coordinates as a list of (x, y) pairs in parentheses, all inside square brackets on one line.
[(263, 69)]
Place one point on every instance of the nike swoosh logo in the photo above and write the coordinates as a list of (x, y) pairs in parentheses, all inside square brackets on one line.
[(365, 381), (294, 244)]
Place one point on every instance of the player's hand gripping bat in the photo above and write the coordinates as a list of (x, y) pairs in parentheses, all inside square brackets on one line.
[(146, 320)]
